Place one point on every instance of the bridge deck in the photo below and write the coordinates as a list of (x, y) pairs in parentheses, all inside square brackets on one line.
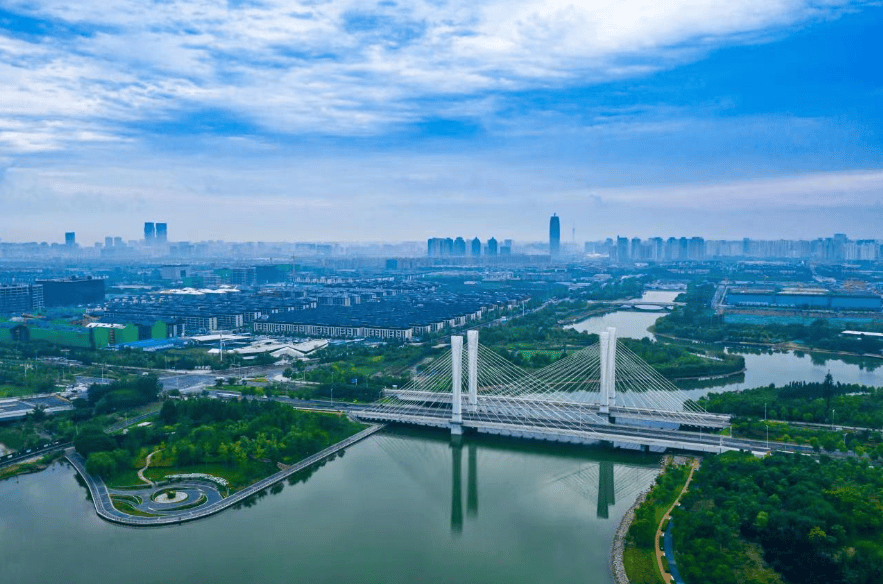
[(573, 432), (576, 409)]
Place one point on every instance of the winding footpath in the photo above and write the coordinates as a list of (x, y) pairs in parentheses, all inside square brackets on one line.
[(146, 466), (659, 532), (105, 509)]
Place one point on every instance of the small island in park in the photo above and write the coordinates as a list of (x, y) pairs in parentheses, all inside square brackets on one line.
[(197, 452)]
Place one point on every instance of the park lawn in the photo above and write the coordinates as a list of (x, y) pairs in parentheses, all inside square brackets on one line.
[(640, 565), (15, 391), (238, 477), (128, 509), (126, 478)]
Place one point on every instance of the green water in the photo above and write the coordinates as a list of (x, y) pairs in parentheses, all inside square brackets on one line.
[(400, 507)]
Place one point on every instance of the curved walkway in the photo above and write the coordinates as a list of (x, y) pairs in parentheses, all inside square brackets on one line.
[(105, 509), (659, 532), (146, 466)]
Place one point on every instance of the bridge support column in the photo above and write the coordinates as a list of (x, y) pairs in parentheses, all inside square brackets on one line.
[(456, 385), (472, 363)]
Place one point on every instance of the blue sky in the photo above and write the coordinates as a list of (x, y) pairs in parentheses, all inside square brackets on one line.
[(353, 121)]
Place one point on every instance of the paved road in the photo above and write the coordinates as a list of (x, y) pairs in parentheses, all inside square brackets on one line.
[(18, 457), (105, 509)]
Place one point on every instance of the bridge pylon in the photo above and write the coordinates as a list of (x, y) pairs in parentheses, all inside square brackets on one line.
[(456, 385), (608, 372), (472, 370)]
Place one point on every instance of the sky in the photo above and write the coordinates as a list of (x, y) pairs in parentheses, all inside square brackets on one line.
[(335, 120)]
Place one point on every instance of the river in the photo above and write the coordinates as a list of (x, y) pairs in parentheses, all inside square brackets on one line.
[(629, 323), (761, 368), (400, 507)]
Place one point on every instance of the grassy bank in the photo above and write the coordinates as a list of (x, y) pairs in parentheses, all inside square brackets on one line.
[(29, 467), (639, 556)]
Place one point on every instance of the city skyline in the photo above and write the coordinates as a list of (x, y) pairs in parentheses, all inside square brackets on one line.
[(338, 122)]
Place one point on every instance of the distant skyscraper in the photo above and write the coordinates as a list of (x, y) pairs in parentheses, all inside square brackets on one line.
[(434, 247), (162, 232), (622, 249), (459, 247), (635, 249), (70, 239), (108, 242), (554, 235), (476, 247), (117, 241), (149, 232), (492, 247)]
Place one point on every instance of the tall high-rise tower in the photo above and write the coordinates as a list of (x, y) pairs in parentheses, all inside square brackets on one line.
[(162, 232), (149, 232), (554, 235)]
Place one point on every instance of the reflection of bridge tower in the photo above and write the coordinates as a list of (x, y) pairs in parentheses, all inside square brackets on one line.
[(606, 488), (456, 487), (472, 488)]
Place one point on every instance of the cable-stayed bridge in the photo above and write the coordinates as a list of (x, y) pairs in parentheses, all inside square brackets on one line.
[(602, 393)]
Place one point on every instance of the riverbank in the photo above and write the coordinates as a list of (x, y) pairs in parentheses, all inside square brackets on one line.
[(31, 465), (781, 347), (634, 556), (617, 549)]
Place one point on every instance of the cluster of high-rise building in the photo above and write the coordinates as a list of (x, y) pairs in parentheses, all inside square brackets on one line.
[(156, 232), (838, 248), (437, 247), (655, 249)]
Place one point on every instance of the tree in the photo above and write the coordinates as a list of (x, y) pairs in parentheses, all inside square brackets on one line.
[(101, 464), (828, 391), (169, 413), (92, 439)]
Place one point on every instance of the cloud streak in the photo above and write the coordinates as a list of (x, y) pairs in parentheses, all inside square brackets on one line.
[(96, 71)]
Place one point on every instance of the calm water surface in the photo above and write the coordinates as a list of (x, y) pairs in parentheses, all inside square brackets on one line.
[(760, 369), (400, 507), (629, 323)]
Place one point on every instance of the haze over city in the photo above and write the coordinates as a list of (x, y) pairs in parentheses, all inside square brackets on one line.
[(399, 121)]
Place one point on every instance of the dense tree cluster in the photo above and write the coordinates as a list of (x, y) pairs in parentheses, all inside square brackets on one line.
[(128, 392), (855, 405), (676, 362), (209, 431), (816, 521)]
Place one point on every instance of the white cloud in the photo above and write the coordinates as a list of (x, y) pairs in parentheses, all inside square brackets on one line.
[(337, 67)]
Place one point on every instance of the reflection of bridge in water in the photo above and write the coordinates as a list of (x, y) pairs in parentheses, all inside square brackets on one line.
[(602, 483), (602, 393)]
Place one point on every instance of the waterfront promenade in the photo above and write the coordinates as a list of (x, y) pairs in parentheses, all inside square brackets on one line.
[(105, 509)]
